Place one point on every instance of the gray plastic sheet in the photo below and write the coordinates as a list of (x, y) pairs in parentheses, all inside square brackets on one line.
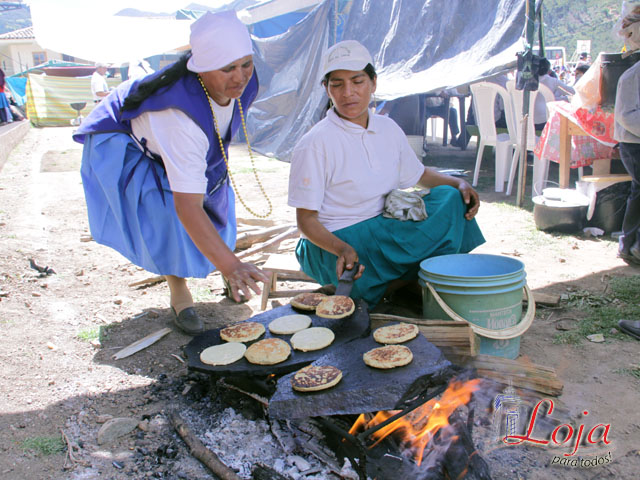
[(418, 47)]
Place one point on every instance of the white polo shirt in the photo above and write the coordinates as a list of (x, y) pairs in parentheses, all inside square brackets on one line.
[(98, 84), (181, 143), (344, 171)]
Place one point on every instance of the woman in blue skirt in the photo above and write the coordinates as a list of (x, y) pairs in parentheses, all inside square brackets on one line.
[(341, 173), (155, 164)]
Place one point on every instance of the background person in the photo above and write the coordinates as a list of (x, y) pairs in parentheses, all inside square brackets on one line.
[(5, 108), (580, 70), (626, 130), (99, 87), (435, 106), (155, 164), (560, 92), (341, 172)]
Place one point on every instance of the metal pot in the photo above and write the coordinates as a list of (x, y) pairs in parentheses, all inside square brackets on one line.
[(560, 210)]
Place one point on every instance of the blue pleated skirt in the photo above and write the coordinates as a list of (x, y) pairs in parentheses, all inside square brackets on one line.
[(140, 221), (392, 249)]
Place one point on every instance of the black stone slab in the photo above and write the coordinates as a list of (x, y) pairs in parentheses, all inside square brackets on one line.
[(354, 326), (363, 389)]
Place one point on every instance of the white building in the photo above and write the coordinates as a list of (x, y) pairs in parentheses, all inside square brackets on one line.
[(19, 51)]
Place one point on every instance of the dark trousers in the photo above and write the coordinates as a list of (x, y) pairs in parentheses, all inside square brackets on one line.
[(630, 156)]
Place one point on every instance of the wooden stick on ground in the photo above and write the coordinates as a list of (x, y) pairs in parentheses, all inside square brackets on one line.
[(200, 451), (148, 281), (291, 233), (247, 239), (70, 459)]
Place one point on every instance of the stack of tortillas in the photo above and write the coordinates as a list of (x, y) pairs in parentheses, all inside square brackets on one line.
[(335, 307), (315, 377), (398, 333), (268, 352), (315, 338), (307, 301), (390, 356)]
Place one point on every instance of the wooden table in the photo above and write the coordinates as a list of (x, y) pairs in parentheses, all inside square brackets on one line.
[(601, 168), (593, 147), (568, 128)]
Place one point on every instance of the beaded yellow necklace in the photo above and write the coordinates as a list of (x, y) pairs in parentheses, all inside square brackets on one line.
[(226, 160)]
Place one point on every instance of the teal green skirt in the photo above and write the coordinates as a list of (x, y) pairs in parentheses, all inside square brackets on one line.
[(392, 249)]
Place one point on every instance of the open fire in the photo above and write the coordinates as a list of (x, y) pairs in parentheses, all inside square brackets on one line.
[(415, 430)]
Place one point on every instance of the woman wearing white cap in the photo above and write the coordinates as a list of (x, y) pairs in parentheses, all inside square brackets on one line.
[(341, 172), (155, 164)]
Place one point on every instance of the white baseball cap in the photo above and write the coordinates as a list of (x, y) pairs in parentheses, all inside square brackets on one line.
[(218, 39), (346, 55)]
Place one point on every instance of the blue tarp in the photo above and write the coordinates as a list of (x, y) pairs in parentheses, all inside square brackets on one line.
[(418, 46), (18, 87), (290, 97)]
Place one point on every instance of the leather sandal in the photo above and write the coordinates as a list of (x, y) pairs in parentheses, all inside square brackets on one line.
[(630, 327), (188, 321)]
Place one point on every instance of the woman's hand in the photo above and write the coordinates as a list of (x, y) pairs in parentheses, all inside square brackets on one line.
[(431, 178), (309, 224), (243, 278), (347, 258), (470, 198)]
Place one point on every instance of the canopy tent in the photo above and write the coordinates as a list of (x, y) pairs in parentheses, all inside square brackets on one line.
[(419, 46)]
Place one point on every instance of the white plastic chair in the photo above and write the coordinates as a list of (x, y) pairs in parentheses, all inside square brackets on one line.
[(484, 96), (540, 165)]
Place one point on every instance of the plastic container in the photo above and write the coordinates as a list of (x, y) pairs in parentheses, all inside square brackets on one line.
[(485, 290), (613, 66), (610, 206), (560, 210)]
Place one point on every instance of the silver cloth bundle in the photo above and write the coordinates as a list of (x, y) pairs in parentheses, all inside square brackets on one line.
[(405, 205)]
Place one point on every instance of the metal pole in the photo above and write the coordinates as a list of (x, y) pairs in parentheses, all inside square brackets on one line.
[(522, 160)]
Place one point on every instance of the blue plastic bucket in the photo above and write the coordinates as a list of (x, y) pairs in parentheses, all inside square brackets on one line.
[(485, 290)]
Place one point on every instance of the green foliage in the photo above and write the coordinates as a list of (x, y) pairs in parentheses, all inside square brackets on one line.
[(44, 445), (89, 334), (633, 370), (603, 311), (566, 21)]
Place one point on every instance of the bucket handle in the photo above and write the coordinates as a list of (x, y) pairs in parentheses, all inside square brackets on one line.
[(504, 334)]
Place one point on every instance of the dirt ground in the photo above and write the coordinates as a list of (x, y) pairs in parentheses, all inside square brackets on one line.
[(59, 331)]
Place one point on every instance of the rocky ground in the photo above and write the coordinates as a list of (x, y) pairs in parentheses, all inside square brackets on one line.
[(60, 329)]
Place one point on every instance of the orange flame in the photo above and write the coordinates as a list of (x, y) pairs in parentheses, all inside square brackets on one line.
[(415, 429)]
